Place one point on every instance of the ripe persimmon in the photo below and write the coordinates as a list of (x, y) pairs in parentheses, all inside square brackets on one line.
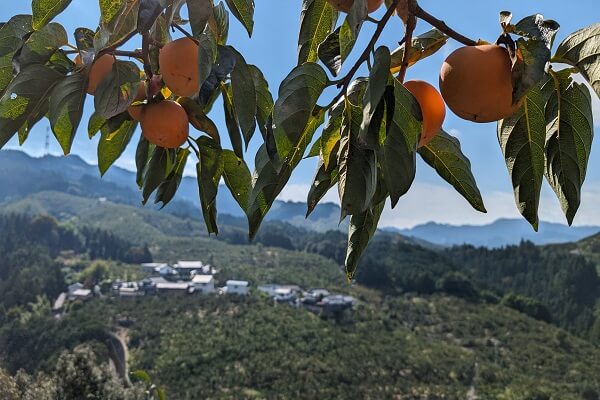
[(345, 5), (178, 62), (98, 71), (165, 124), (136, 110), (432, 106), (476, 83)]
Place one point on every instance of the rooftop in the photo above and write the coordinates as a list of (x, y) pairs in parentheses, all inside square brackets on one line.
[(202, 279), (173, 285), (237, 283), (189, 264)]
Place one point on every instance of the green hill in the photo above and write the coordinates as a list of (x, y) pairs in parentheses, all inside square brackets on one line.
[(445, 324)]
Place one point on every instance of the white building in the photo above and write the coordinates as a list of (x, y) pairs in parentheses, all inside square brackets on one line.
[(175, 288), (198, 267), (236, 287), (151, 268), (204, 284)]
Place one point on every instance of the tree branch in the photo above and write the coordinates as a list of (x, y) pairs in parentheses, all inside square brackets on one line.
[(344, 82), (441, 25), (410, 27)]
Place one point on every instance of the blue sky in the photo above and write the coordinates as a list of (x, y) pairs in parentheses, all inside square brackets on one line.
[(273, 49)]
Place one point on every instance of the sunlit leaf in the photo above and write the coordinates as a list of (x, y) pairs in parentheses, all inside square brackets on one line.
[(318, 20), (444, 155), (570, 129), (66, 108), (582, 50)]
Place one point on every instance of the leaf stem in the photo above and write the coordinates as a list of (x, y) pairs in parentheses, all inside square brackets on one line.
[(193, 147), (186, 33), (442, 26), (344, 82)]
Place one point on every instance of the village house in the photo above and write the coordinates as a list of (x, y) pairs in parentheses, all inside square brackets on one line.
[(175, 288), (235, 287), (76, 291), (204, 284), (152, 268)]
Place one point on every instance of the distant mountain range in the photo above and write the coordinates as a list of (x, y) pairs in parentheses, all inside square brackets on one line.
[(499, 233), (22, 175)]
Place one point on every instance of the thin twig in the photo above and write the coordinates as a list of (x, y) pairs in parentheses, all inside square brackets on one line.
[(410, 27), (146, 56), (441, 25), (121, 53), (344, 82), (193, 147), (186, 33)]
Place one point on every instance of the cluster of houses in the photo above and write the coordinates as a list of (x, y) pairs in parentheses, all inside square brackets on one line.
[(184, 277), (195, 277)]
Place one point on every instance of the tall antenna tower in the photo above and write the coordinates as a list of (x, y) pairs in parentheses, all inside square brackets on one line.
[(47, 146)]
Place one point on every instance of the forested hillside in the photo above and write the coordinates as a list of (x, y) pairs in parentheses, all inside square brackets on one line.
[(441, 322)]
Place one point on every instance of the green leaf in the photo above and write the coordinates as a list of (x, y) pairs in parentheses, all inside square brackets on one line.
[(330, 138), (6, 71), (443, 153), (316, 23), (422, 47), (31, 121), (581, 49), (95, 123), (220, 71), (66, 109), (378, 79), (121, 27), (570, 130), (41, 45), (323, 181), (199, 12), (237, 178), (522, 137), (172, 12), (24, 98), (361, 230), (44, 11), (167, 189), (142, 154), (109, 9), (243, 10), (17, 27), (357, 165), (264, 99), (233, 127), (209, 172), (399, 148), (141, 375), (148, 12), (156, 171), (244, 97), (219, 23), (338, 45), (118, 89), (315, 149), (199, 119), (84, 39), (269, 181), (114, 138), (298, 95), (207, 54), (538, 35)]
